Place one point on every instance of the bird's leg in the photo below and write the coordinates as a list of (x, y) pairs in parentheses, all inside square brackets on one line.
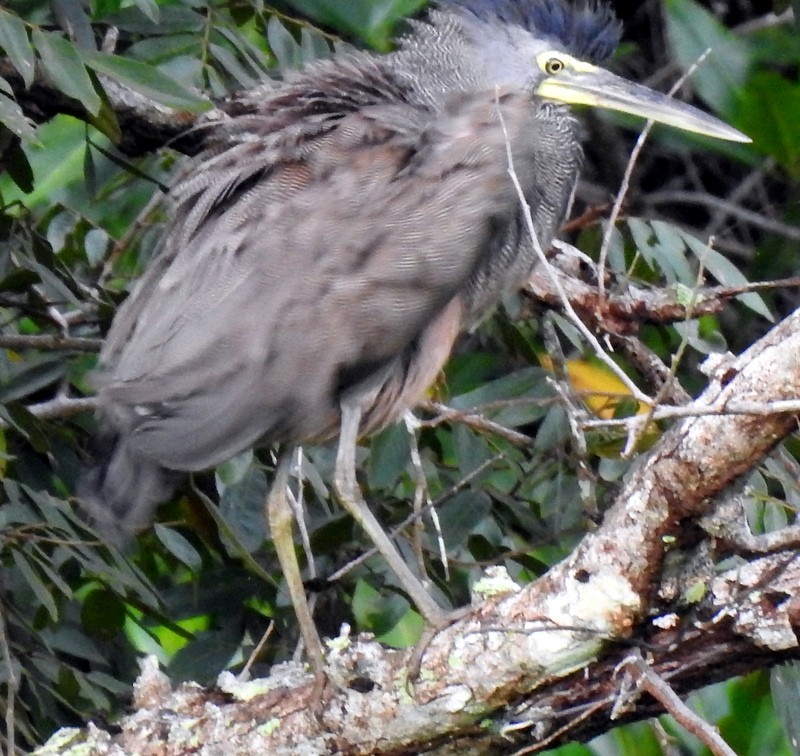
[(280, 517), (351, 499)]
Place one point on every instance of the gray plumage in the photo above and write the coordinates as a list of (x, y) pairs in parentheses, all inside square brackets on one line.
[(332, 245)]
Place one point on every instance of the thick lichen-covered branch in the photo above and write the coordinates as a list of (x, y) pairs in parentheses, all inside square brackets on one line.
[(503, 674)]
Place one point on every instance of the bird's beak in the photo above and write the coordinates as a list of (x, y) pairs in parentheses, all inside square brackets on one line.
[(578, 83)]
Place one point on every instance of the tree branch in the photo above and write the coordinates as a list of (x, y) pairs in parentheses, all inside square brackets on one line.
[(515, 667), (145, 125)]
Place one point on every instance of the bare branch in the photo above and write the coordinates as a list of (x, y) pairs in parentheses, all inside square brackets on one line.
[(647, 680), (50, 343), (731, 209), (61, 407), (720, 408), (503, 676), (728, 526), (444, 414)]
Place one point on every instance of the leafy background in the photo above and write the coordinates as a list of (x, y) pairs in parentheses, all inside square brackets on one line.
[(78, 221)]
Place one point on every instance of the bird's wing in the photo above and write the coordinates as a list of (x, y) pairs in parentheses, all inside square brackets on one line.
[(298, 270)]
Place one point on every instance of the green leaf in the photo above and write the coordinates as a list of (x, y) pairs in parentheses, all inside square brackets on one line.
[(105, 121), (770, 113), (149, 8), (96, 244), (371, 20), (642, 234), (15, 43), (691, 31), (461, 515), (32, 376), (63, 64), (179, 547), (726, 273), (242, 506), (288, 53), (204, 658), (232, 541), (406, 632), (56, 289), (35, 583), (173, 19), (89, 170), (229, 62), (523, 390), (72, 18), (103, 614), (42, 562), (18, 168), (253, 55), (157, 50), (670, 253), (785, 685), (389, 456), (314, 45), (110, 683), (234, 470), (373, 611), (147, 80), (72, 641), (12, 117)]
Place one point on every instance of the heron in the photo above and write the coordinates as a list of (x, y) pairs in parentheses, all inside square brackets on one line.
[(326, 251)]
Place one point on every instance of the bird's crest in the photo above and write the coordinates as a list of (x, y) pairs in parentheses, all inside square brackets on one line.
[(587, 29)]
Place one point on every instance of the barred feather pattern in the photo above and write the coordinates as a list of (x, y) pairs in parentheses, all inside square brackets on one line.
[(331, 245)]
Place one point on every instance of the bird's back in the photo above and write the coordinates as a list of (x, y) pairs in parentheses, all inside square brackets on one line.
[(330, 244)]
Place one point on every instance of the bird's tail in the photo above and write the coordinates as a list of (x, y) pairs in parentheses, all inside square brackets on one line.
[(121, 492)]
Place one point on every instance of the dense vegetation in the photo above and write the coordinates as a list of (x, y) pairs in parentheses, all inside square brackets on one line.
[(514, 482)]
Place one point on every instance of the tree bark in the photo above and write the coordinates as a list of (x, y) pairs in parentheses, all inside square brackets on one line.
[(531, 667)]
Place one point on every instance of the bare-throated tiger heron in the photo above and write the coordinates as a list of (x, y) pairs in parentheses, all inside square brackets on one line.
[(326, 251)]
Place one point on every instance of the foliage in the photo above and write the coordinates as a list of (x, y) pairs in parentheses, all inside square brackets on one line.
[(78, 223)]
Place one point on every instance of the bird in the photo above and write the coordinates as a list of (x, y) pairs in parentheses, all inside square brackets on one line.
[(327, 249)]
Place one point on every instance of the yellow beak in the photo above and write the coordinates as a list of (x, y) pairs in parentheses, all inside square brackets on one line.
[(578, 83)]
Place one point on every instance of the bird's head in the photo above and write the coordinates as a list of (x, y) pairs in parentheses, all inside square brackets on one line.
[(552, 48)]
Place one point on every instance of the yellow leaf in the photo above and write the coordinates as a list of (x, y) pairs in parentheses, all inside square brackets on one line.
[(600, 389)]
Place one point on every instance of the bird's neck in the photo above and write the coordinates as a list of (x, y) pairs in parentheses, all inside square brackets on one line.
[(546, 193), (439, 60)]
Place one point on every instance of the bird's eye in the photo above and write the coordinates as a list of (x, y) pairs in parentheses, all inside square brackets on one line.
[(553, 66)]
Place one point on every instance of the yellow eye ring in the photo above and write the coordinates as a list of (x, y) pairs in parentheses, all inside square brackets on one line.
[(554, 66)]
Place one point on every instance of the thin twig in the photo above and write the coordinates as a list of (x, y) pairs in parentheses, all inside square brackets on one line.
[(473, 420), (575, 414), (636, 432), (651, 366), (616, 208), (635, 391), (297, 502), (555, 736), (244, 675), (728, 208), (135, 229), (626, 179), (728, 524), (421, 493), (51, 343), (647, 680), (761, 409), (767, 21), (60, 407)]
